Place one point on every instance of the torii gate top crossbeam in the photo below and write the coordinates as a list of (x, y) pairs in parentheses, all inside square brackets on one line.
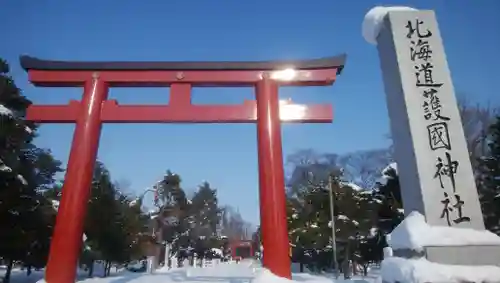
[(143, 74), (180, 77), (32, 63)]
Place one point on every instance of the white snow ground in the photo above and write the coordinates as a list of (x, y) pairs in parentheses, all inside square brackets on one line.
[(231, 273), (246, 271), (19, 276)]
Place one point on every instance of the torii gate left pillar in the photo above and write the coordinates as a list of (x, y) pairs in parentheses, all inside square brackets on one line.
[(94, 109)]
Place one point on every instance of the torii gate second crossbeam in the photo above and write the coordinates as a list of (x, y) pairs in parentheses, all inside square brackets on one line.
[(94, 109)]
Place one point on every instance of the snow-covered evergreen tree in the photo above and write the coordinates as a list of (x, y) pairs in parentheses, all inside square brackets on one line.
[(488, 180), (14, 132), (25, 227)]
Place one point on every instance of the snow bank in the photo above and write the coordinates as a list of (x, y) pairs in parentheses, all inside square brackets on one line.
[(414, 233), (266, 276), (395, 269), (372, 23)]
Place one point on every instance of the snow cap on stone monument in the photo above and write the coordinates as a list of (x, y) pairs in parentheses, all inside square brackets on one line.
[(374, 19)]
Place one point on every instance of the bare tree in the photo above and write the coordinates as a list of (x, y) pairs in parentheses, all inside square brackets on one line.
[(233, 225), (363, 167), (303, 157), (476, 119), (124, 186), (360, 167)]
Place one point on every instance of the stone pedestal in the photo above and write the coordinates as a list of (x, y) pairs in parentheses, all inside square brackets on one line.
[(476, 255), (465, 255)]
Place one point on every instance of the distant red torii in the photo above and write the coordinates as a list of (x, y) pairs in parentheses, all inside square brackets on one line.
[(94, 109)]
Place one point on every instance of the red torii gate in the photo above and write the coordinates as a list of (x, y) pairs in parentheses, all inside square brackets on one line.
[(94, 109)]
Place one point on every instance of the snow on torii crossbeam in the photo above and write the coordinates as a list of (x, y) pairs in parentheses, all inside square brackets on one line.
[(94, 109)]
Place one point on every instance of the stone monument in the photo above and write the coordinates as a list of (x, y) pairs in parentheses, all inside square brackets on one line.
[(430, 148)]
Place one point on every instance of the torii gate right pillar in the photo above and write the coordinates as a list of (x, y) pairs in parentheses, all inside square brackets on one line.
[(271, 175)]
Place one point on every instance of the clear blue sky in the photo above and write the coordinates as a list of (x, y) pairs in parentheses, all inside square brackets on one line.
[(225, 155)]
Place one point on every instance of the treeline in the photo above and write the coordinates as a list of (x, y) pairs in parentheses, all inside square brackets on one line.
[(119, 230), (196, 225), (112, 228)]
